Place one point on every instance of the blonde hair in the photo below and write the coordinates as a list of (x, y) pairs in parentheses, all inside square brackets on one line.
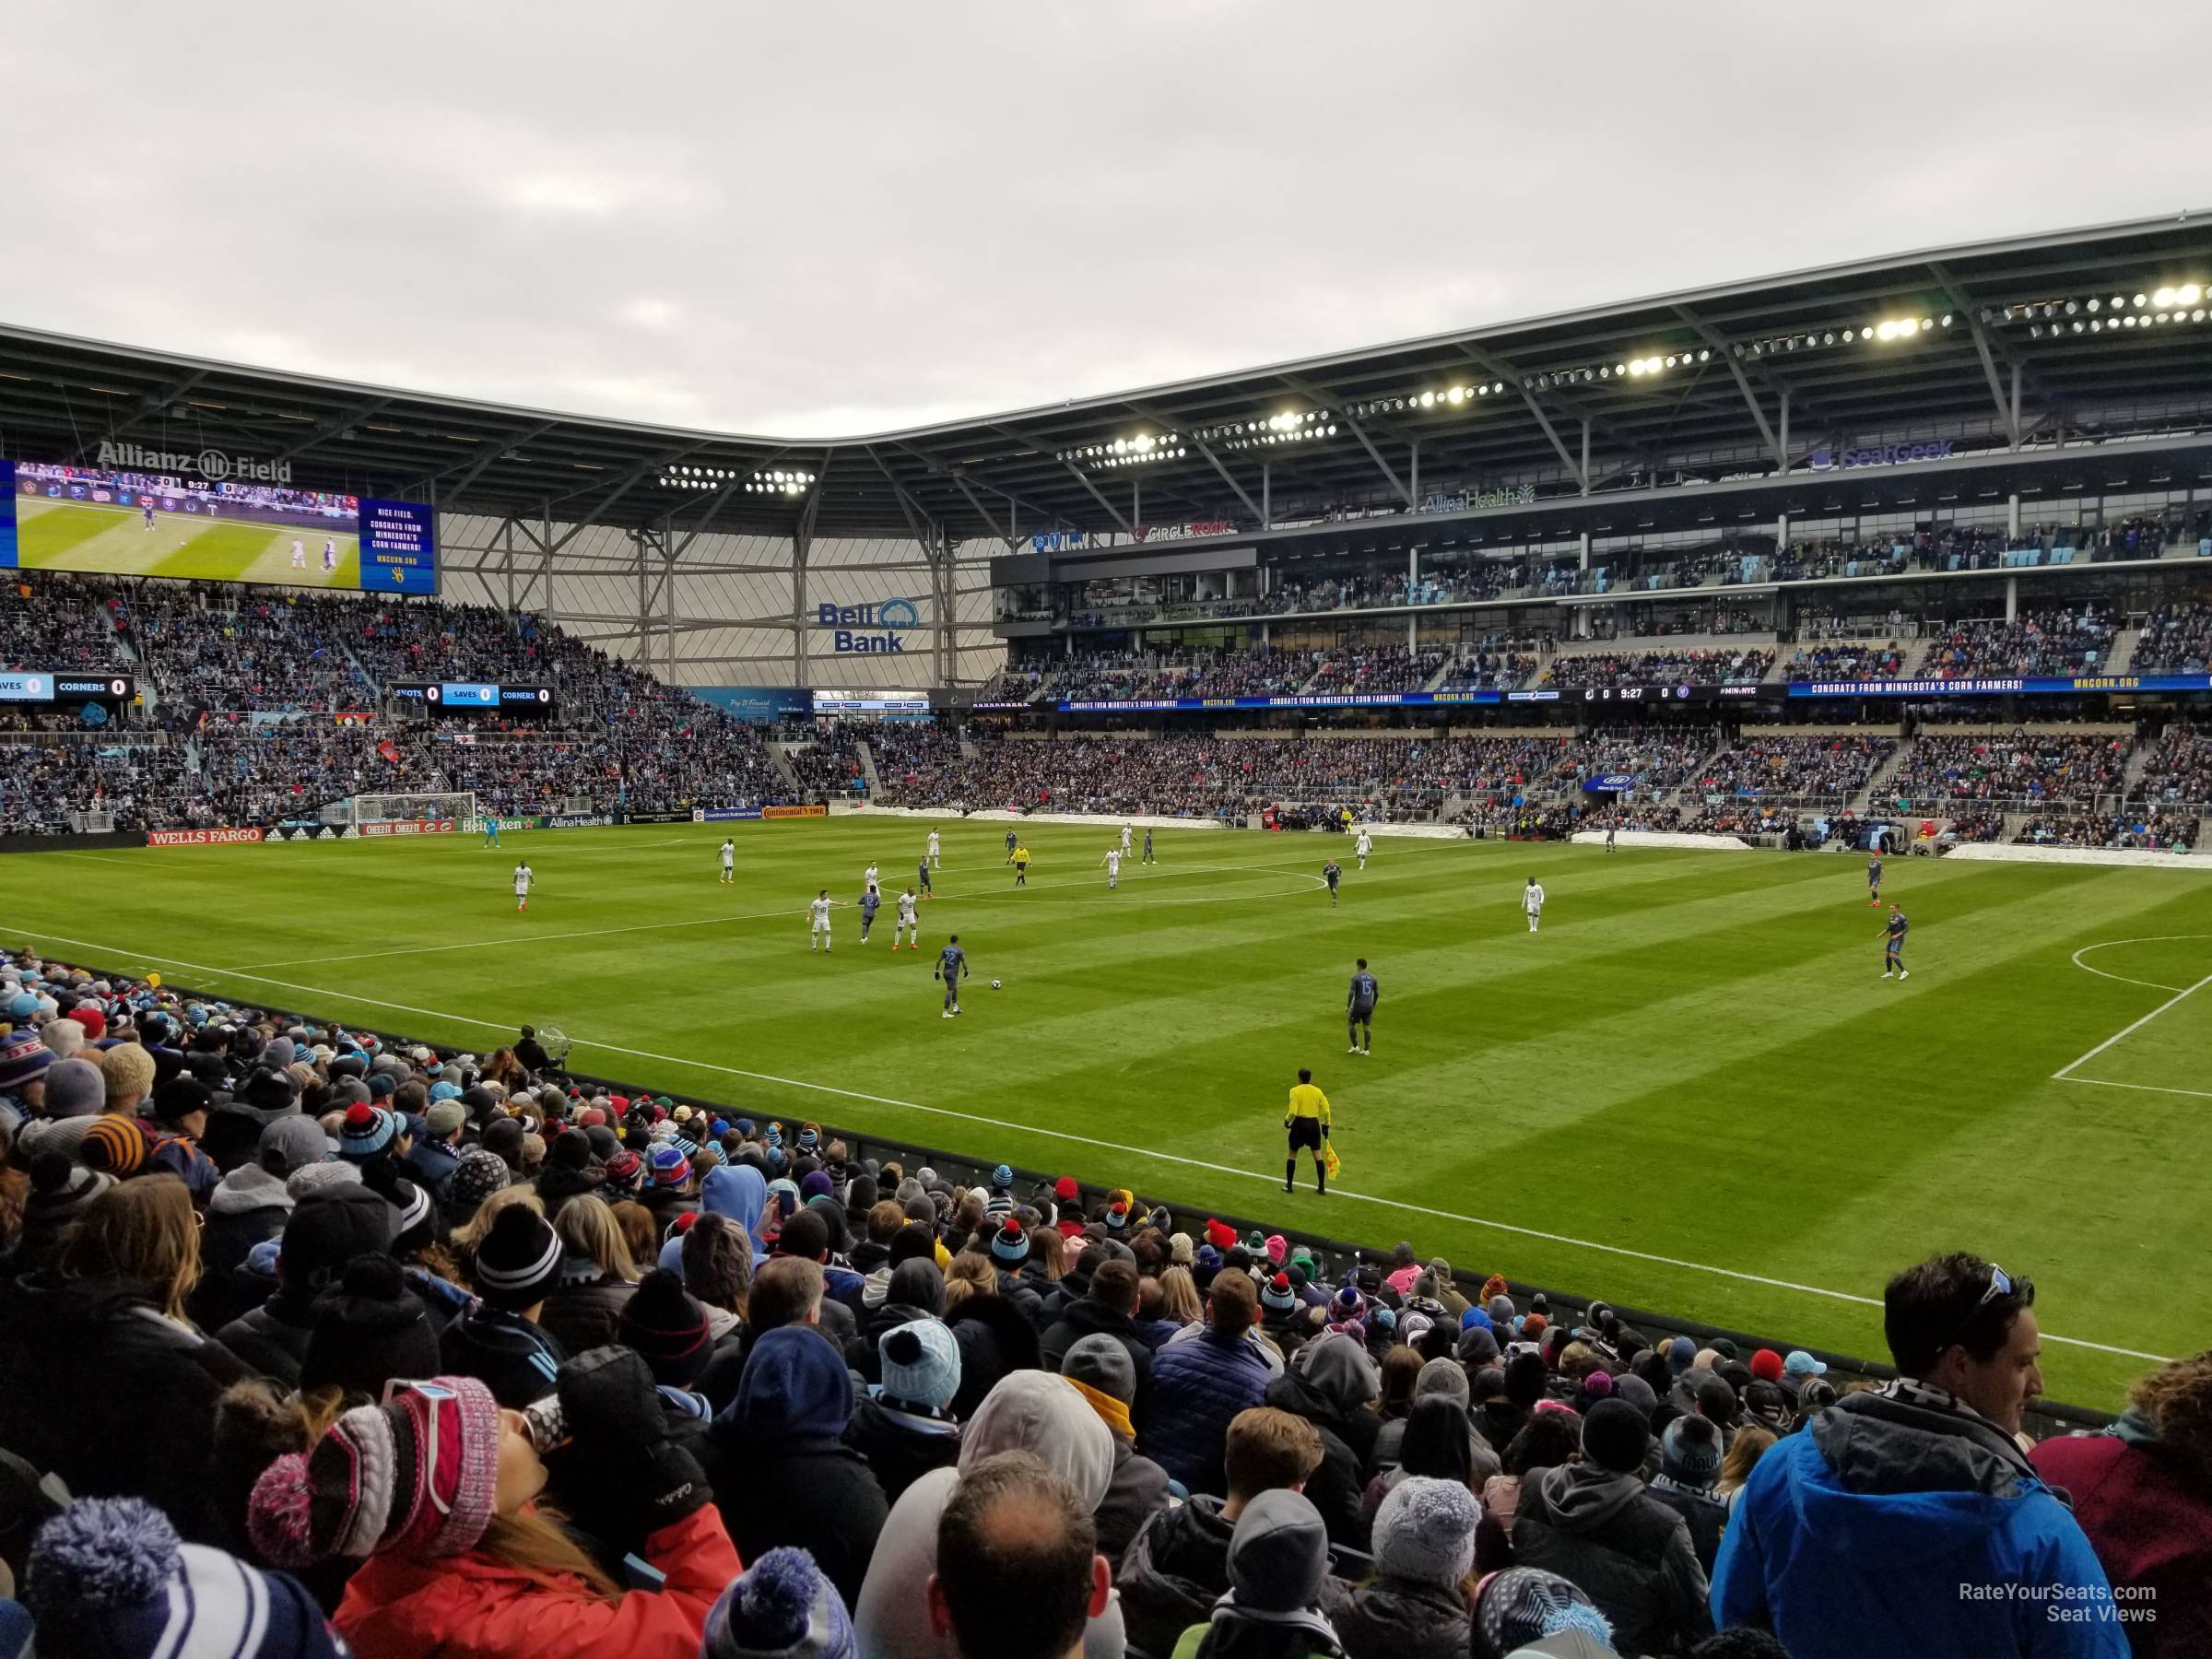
[(143, 1231), (1179, 1295), (536, 1546), (640, 1233), (971, 1274), (465, 1238), (587, 1227), (1744, 1453), (2177, 1398), (1048, 1247)]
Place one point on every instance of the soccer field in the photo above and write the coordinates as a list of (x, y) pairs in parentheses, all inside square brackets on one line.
[(1692, 1091), (83, 535)]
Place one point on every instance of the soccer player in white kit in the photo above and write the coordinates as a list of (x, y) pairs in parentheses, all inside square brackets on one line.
[(522, 878), (869, 882), (298, 556), (1112, 861), (1531, 901), (934, 862), (907, 926), (1125, 838), (729, 862), (819, 911), (1363, 847)]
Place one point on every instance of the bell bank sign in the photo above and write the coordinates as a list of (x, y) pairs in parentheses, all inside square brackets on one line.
[(868, 630)]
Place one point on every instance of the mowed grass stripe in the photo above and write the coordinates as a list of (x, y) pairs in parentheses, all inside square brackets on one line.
[(1667, 1069)]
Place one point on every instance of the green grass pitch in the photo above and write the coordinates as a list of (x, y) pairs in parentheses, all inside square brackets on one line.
[(1692, 1090), (83, 535)]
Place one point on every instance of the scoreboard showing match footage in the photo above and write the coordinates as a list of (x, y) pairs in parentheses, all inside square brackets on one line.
[(123, 521)]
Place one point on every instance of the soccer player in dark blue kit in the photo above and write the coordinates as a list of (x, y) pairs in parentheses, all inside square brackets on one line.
[(1359, 1009), (1874, 878), (922, 881), (1331, 874), (1893, 952), (952, 967), (870, 901)]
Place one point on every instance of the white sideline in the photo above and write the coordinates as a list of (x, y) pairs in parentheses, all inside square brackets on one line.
[(2063, 1074), (116, 952)]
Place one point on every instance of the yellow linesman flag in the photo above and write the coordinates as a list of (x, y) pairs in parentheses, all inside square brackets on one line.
[(1329, 1159)]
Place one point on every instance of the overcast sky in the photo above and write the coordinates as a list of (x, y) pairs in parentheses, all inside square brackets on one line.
[(832, 218)]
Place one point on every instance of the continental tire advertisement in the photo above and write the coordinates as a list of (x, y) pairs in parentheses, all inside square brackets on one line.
[(817, 810)]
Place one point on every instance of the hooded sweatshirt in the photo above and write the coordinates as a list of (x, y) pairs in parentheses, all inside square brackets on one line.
[(247, 1205), (1629, 1552), (804, 1486), (1028, 1411), (734, 1192), (1854, 1536)]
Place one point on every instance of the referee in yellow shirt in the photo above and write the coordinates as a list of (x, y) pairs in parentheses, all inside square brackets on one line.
[(1307, 1118), (1021, 863)]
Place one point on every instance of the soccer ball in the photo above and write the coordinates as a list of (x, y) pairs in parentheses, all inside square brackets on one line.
[(994, 985)]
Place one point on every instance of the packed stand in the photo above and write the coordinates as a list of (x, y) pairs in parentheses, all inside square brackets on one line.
[(1947, 767), (271, 654), (2178, 770), (1495, 665), (1586, 669), (438, 1352), (1795, 767), (2176, 639), (1370, 671), (2128, 832), (2056, 644), (1847, 660), (63, 623)]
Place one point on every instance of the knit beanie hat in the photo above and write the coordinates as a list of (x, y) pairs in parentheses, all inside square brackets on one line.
[(518, 1261), (1766, 1365), (367, 1331), (1425, 1531), (114, 1144), (414, 1478), (1681, 1353), (23, 1058), (569, 1151), (1181, 1251), (921, 1364), (1616, 1436), (292, 1144), (109, 1577), (74, 1088), (1442, 1376), (1009, 1244), (667, 1327), (477, 1177), (367, 1131), (1276, 1296), (670, 1167), (1099, 1361), (61, 1190), (1523, 1605), (128, 1068), (1278, 1554), (781, 1608), (1690, 1452)]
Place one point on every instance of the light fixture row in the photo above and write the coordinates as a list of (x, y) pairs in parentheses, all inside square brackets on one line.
[(1884, 331)]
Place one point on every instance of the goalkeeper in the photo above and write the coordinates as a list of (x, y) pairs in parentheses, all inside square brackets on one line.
[(1307, 1119)]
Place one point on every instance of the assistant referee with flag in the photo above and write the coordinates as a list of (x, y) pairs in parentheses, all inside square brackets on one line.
[(1307, 1119)]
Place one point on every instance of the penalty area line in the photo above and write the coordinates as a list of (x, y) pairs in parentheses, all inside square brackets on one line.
[(1085, 1140)]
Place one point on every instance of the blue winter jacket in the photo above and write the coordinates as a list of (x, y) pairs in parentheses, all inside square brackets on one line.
[(1890, 1525), (1198, 1386)]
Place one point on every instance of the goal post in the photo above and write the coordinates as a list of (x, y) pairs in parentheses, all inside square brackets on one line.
[(457, 807)]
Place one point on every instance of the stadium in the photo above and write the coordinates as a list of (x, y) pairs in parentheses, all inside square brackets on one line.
[(1604, 683)]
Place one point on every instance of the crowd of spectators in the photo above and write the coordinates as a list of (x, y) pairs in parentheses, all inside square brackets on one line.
[(2053, 767), (2132, 832), (2178, 771), (1847, 660), (1372, 671), (65, 622), (1797, 768), (1584, 669), (2176, 639), (428, 1351), (2058, 644)]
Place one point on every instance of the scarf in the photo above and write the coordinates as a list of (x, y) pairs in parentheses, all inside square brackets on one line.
[(1115, 1414)]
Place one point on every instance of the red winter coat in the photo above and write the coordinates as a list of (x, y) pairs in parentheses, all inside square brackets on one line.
[(472, 1608), (2148, 1515)]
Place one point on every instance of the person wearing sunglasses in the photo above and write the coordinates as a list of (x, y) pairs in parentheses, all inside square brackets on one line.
[(1907, 1518)]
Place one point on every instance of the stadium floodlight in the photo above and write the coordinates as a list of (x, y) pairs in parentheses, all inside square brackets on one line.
[(2188, 294), (2142, 300)]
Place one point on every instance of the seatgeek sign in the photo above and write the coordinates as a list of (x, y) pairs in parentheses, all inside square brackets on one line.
[(1885, 454), (868, 630)]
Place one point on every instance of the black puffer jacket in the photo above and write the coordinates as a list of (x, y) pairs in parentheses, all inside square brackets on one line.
[(73, 1343), (1397, 1619), (582, 1317), (901, 1446), (994, 1340), (1173, 1574)]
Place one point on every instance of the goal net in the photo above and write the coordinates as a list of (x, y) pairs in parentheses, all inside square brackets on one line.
[(456, 806)]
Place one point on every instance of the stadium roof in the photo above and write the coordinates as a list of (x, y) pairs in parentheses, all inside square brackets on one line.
[(2020, 338)]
